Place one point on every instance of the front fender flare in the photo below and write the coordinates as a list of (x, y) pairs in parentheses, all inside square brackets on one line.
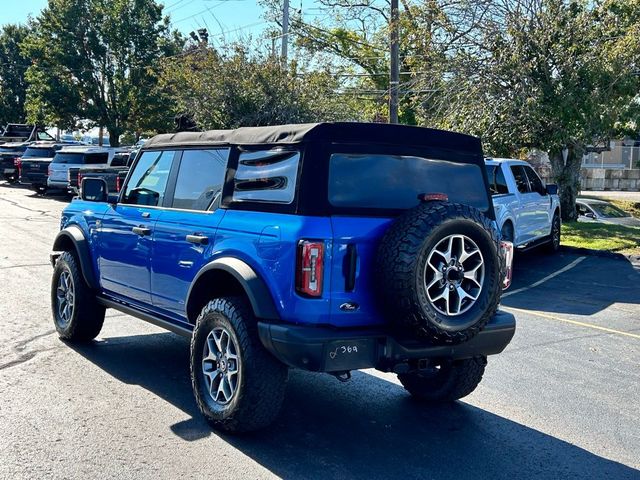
[(75, 235), (257, 291)]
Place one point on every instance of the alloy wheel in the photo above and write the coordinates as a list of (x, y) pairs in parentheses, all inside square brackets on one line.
[(65, 295), (221, 365), (454, 275)]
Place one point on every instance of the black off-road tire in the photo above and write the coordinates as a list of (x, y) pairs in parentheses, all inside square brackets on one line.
[(87, 318), (262, 378), (452, 381), (553, 245), (401, 263)]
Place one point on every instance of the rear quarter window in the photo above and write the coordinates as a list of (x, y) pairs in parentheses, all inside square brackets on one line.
[(381, 181), (497, 181), (266, 176)]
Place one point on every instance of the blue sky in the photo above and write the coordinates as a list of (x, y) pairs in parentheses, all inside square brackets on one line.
[(236, 17)]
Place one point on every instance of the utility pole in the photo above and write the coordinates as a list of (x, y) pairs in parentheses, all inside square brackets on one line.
[(394, 80), (285, 32)]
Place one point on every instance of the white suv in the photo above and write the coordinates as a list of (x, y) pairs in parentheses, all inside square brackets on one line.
[(77, 156)]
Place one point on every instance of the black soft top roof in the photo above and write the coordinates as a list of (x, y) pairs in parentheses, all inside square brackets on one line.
[(337, 132)]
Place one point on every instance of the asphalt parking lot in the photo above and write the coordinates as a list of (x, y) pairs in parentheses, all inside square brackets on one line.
[(560, 402)]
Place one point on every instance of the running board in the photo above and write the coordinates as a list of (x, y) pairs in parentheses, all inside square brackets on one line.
[(147, 317), (534, 244)]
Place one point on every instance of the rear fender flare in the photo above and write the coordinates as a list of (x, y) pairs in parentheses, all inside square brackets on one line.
[(255, 288)]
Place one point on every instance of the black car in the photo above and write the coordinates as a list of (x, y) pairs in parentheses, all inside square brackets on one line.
[(10, 155)]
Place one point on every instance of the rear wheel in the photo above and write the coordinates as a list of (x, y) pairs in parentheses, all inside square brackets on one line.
[(76, 313), (554, 238), (445, 382), (238, 385)]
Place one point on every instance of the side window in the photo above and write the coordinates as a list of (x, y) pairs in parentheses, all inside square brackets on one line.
[(497, 182), (266, 176), (119, 160), (534, 181), (96, 158), (521, 178), (148, 180), (200, 179)]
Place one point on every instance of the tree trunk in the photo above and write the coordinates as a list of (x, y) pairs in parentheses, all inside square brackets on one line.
[(114, 136), (567, 176)]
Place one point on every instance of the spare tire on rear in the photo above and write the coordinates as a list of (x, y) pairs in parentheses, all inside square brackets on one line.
[(439, 272)]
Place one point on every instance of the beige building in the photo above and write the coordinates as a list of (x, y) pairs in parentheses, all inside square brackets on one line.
[(615, 169)]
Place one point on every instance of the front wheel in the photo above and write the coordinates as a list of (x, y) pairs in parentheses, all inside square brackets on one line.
[(77, 315), (238, 385), (445, 382)]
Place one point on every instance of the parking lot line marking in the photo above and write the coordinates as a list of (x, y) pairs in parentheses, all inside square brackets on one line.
[(572, 322), (545, 279)]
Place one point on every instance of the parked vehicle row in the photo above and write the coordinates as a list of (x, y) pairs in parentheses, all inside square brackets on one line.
[(34, 164), (77, 157), (114, 173)]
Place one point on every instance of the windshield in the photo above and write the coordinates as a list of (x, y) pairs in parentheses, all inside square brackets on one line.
[(39, 152), (394, 181), (608, 211)]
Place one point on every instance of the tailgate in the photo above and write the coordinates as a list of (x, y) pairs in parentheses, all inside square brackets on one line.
[(58, 172), (355, 245)]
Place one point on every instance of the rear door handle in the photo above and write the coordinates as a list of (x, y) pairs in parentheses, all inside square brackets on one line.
[(199, 239), (142, 231)]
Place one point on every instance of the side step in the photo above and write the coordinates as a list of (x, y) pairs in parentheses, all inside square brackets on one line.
[(184, 330)]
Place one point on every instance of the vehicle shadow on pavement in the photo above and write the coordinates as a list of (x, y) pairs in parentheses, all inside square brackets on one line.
[(367, 428), (589, 287)]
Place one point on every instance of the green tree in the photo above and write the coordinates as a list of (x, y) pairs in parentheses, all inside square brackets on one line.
[(351, 39), (97, 60), (550, 74), (13, 66), (231, 87)]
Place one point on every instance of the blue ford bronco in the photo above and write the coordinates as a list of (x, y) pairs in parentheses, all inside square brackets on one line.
[(328, 247)]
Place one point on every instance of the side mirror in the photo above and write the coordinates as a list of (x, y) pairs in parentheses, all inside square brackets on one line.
[(552, 189), (94, 190), (590, 215)]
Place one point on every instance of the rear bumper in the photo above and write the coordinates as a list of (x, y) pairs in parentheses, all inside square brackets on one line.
[(58, 183), (9, 172), (325, 349), (34, 179)]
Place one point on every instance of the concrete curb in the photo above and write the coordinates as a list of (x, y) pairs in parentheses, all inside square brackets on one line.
[(600, 253)]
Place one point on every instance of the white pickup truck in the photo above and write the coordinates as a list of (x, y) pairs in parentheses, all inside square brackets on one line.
[(527, 210)]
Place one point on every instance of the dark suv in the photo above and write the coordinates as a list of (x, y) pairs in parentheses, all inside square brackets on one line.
[(327, 247)]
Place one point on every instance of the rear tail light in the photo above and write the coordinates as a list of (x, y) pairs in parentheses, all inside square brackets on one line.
[(79, 179), (433, 197), (309, 268), (17, 162), (49, 171), (118, 183), (506, 250)]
